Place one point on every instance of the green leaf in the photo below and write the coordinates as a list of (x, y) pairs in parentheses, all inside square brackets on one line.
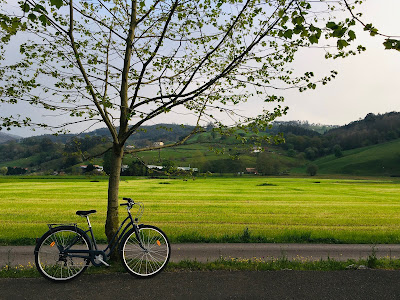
[(352, 35), (56, 3), (332, 25), (392, 44), (341, 44), (288, 34), (25, 7), (44, 20), (32, 17), (313, 39)]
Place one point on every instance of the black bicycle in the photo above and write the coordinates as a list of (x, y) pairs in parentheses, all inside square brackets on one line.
[(65, 251)]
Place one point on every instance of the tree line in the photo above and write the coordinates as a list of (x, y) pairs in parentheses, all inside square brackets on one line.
[(373, 129)]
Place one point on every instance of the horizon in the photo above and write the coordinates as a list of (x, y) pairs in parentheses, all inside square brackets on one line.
[(6, 132)]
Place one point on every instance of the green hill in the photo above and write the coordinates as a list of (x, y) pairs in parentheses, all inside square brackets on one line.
[(376, 160)]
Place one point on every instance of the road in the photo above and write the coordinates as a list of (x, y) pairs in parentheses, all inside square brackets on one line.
[(23, 255), (298, 285)]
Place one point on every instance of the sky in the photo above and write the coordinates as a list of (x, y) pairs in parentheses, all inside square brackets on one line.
[(366, 83)]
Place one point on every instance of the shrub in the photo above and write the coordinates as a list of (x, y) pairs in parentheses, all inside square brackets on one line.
[(312, 169)]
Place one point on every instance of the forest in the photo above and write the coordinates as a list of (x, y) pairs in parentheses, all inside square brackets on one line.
[(303, 143)]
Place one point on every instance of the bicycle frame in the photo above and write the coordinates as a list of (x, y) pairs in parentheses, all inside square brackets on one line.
[(110, 247)]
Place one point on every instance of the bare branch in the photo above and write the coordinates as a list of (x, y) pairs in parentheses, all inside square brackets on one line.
[(85, 76)]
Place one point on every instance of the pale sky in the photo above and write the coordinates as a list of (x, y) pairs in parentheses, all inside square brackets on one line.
[(366, 83)]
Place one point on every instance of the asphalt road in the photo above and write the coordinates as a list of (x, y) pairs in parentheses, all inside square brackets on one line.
[(16, 255), (360, 284)]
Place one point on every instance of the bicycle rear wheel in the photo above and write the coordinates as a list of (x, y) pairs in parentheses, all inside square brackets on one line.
[(149, 260), (52, 263)]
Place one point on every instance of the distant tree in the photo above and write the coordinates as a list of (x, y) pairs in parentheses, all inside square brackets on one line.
[(168, 166), (16, 171), (46, 145), (291, 153), (3, 170), (71, 160), (312, 169), (222, 166), (267, 164), (311, 153), (337, 150), (89, 168), (137, 168)]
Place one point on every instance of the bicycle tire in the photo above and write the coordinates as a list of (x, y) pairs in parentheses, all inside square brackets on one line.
[(57, 267), (148, 262)]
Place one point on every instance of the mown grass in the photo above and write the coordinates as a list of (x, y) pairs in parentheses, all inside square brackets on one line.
[(240, 209)]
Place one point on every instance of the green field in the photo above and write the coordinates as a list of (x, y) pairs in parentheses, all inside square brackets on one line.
[(376, 160), (213, 209)]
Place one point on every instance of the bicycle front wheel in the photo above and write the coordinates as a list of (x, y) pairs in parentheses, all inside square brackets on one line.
[(50, 260), (150, 258)]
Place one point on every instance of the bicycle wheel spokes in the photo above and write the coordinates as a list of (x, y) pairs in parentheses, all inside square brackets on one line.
[(150, 259), (56, 265)]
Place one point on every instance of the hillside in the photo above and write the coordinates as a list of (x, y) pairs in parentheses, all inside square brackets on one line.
[(377, 160), (368, 146), (153, 133), (5, 137)]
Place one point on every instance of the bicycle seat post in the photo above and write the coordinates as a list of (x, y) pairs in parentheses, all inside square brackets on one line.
[(88, 221)]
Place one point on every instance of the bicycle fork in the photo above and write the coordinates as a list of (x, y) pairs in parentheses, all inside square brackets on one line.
[(138, 237)]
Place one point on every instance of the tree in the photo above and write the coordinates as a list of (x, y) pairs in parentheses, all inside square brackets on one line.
[(337, 150), (3, 170), (268, 164), (391, 42), (312, 169), (89, 168), (124, 63)]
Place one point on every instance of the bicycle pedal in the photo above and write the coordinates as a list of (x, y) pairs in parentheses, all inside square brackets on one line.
[(100, 259), (103, 262)]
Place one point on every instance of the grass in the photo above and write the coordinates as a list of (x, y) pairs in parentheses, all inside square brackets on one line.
[(240, 209), (377, 160)]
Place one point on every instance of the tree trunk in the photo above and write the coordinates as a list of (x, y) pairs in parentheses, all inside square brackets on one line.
[(112, 221)]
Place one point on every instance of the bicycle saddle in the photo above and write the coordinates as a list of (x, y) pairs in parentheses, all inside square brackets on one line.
[(85, 212)]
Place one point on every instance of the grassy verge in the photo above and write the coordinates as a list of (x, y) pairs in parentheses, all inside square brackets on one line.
[(233, 264)]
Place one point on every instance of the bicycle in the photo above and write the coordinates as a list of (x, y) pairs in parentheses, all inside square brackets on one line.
[(65, 251)]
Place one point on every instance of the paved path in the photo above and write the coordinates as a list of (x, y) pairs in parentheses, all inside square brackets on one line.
[(16, 255), (220, 285)]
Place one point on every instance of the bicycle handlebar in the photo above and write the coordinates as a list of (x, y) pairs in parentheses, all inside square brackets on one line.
[(130, 204)]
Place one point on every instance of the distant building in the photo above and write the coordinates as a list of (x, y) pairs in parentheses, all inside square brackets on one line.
[(188, 169), (96, 167), (154, 167), (178, 168), (129, 147), (158, 144), (251, 171), (256, 149)]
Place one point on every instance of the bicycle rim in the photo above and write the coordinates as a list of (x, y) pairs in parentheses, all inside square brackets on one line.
[(150, 260), (56, 266)]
